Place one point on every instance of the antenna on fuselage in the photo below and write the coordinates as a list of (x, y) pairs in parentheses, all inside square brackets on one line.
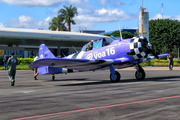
[(120, 32), (63, 54), (74, 48)]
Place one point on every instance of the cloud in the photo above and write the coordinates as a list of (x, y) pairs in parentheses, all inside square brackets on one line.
[(82, 26), (110, 2), (159, 16), (104, 15), (54, 11), (176, 17), (43, 3), (28, 22), (89, 18), (1, 25)]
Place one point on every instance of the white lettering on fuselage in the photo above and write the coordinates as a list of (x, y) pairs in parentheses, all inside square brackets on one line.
[(107, 52)]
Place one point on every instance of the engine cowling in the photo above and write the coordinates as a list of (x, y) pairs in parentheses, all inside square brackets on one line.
[(140, 48)]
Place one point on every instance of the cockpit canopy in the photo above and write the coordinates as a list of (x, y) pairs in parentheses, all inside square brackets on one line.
[(96, 44), (100, 43)]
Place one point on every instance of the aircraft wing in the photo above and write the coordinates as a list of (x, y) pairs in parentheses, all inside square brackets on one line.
[(76, 64), (153, 57)]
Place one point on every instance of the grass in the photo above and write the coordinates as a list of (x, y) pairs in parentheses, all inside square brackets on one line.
[(18, 67), (159, 64)]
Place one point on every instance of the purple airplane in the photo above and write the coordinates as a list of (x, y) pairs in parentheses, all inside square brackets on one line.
[(113, 54)]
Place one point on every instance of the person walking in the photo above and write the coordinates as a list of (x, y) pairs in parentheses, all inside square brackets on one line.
[(170, 58), (12, 62), (5, 62), (35, 69)]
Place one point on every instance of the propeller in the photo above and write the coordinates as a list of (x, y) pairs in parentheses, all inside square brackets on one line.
[(149, 47), (141, 50)]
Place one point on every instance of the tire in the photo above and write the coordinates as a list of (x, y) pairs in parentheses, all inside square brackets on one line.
[(116, 77), (140, 74)]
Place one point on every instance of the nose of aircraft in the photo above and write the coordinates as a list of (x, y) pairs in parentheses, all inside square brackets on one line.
[(140, 48)]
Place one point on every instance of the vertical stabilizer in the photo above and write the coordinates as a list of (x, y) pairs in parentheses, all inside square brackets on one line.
[(44, 52)]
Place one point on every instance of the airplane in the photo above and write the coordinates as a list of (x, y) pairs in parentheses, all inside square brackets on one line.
[(115, 54)]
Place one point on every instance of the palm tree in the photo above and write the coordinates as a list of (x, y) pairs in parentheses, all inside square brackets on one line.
[(57, 23), (68, 13)]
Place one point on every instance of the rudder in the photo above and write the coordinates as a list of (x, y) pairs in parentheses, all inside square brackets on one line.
[(44, 52)]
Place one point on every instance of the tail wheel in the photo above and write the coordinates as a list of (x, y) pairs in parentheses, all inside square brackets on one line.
[(140, 74), (115, 77)]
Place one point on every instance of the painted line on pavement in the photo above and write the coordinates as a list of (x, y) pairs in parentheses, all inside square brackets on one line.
[(95, 108)]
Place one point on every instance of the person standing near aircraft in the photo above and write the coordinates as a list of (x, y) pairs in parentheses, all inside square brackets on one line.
[(170, 58), (35, 69), (5, 61), (12, 62), (89, 46)]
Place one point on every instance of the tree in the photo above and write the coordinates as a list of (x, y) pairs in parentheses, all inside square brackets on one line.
[(67, 14), (57, 23), (125, 34), (164, 34)]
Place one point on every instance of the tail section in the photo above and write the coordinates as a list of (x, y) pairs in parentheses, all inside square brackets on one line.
[(44, 52)]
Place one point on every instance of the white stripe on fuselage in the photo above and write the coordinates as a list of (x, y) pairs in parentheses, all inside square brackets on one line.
[(70, 56), (79, 56)]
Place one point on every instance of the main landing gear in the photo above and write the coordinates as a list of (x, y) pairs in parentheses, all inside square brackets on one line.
[(115, 75), (140, 74)]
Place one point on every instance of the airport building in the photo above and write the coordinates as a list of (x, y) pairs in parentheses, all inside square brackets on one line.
[(25, 42), (92, 31)]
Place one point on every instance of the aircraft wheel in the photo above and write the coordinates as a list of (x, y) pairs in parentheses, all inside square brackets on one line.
[(140, 74), (53, 77), (115, 77)]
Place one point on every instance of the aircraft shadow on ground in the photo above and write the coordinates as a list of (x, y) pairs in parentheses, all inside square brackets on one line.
[(28, 85), (81, 79), (98, 82), (95, 82), (154, 79), (161, 79)]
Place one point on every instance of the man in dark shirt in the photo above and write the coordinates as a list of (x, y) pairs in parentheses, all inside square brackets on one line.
[(170, 58), (12, 62)]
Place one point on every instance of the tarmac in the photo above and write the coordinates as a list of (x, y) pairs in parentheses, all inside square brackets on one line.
[(147, 68), (153, 68), (92, 96)]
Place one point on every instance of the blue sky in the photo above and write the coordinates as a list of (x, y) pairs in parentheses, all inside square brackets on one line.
[(92, 14)]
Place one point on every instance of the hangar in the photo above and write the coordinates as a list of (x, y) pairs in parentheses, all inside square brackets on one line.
[(25, 42)]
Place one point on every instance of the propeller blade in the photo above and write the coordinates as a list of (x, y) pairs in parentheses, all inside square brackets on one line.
[(152, 51)]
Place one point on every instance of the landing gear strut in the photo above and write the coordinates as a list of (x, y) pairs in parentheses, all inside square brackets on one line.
[(140, 74), (115, 75)]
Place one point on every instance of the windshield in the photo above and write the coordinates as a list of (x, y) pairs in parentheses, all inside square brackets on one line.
[(97, 43), (112, 38)]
